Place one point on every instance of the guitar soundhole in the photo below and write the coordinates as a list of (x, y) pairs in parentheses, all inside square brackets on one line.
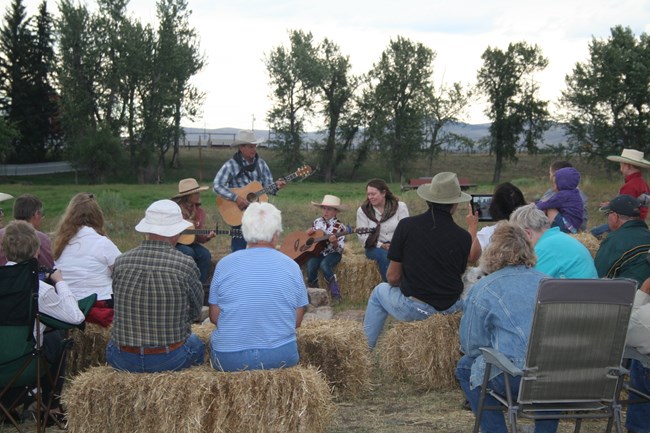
[(252, 198)]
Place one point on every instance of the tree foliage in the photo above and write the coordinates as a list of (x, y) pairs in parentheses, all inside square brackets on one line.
[(519, 119), (607, 99)]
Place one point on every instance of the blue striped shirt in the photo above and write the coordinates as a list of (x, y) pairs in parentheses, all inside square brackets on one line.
[(230, 176), (257, 291)]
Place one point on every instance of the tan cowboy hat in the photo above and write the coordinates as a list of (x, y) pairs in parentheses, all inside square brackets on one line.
[(331, 201), (164, 218), (443, 189), (632, 157), (189, 186), (5, 196), (245, 136)]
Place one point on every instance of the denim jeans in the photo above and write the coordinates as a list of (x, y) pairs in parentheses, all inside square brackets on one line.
[(386, 300), (493, 421), (256, 359), (600, 230), (191, 353), (201, 256), (638, 414), (325, 263), (379, 255), (237, 242)]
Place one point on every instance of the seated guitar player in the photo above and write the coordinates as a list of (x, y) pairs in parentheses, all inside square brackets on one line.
[(189, 200)]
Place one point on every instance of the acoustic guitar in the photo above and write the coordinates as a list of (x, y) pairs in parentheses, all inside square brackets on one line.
[(188, 236), (253, 192), (300, 246)]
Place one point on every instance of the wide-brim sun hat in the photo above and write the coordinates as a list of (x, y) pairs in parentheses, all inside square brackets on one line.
[(189, 186), (164, 218), (632, 157), (4, 196), (444, 188), (331, 201), (245, 136)]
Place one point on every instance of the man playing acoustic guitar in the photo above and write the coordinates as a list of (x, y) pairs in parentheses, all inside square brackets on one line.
[(243, 168)]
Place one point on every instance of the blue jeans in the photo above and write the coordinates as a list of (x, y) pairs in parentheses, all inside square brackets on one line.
[(385, 300), (325, 263), (237, 242), (638, 414), (256, 359), (379, 255), (201, 256), (600, 230), (191, 353), (493, 421)]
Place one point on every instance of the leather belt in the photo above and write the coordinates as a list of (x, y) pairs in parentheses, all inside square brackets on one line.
[(157, 350)]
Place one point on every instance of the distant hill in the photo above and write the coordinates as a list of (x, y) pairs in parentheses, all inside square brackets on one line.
[(225, 136)]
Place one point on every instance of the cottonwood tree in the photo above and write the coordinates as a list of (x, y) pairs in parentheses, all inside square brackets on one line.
[(607, 99), (519, 118)]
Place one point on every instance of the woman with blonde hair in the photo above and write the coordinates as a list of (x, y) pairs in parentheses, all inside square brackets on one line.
[(85, 255)]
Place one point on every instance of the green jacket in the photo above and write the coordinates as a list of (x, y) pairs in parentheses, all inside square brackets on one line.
[(624, 252)]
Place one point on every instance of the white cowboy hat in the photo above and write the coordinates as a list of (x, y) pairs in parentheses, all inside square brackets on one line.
[(164, 218), (632, 157), (189, 186), (443, 189), (331, 201), (5, 196), (245, 136)]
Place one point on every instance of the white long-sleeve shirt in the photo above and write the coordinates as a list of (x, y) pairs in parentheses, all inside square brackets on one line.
[(387, 227), (638, 334)]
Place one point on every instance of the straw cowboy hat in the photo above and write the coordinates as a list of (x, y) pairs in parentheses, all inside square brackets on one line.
[(189, 186), (632, 157), (443, 189), (331, 201), (163, 218), (5, 196), (245, 136)]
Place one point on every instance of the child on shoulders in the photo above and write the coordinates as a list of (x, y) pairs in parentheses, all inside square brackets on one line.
[(565, 207)]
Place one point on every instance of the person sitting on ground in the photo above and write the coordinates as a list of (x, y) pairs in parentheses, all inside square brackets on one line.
[(428, 255), (158, 295), (637, 419), (498, 314), (189, 200), (565, 208), (330, 256), (555, 166), (20, 242), (85, 255), (381, 209), (623, 253), (559, 255), (30, 208), (257, 313)]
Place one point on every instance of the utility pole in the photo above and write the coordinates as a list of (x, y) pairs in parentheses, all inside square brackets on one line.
[(253, 123)]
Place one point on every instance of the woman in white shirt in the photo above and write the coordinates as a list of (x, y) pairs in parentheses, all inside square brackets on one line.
[(85, 255), (383, 210)]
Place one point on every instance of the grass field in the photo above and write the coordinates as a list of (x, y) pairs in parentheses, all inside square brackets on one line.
[(390, 406)]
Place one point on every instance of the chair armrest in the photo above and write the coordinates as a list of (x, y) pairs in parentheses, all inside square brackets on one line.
[(632, 353), (499, 360)]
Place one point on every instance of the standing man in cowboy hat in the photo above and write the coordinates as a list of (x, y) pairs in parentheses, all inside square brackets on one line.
[(631, 162), (189, 200), (428, 255), (243, 168), (157, 294)]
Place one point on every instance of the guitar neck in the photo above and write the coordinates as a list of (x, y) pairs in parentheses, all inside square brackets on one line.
[(341, 233)]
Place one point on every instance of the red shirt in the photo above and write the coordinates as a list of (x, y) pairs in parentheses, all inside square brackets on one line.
[(635, 185)]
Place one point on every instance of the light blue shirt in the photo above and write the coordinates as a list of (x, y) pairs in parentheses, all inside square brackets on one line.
[(230, 176), (561, 256), (498, 313), (257, 291)]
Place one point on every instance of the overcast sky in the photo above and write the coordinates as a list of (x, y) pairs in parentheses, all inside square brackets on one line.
[(236, 35)]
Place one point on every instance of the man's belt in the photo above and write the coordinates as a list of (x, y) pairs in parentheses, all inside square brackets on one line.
[(155, 350)]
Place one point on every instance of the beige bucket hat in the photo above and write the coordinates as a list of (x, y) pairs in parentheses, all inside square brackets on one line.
[(632, 157), (189, 186), (164, 218), (443, 189)]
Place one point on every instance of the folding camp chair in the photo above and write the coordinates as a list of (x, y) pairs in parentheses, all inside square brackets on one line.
[(573, 364), (23, 366)]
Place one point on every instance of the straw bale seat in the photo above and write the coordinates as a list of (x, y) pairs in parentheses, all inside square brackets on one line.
[(89, 348), (356, 275), (198, 400), (424, 353)]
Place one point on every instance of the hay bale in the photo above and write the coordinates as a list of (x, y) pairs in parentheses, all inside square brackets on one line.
[(588, 240), (357, 276), (424, 352), (198, 400), (203, 331), (89, 348), (339, 349)]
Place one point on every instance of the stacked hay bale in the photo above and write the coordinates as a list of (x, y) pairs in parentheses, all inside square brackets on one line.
[(199, 400), (357, 276), (589, 241), (89, 348), (424, 352), (339, 349)]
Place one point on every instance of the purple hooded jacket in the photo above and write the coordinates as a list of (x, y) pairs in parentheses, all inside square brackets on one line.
[(567, 199)]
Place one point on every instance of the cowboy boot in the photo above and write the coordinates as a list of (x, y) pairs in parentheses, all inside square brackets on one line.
[(334, 289)]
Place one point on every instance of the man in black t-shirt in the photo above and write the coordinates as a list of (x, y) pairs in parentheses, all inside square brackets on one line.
[(428, 255)]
